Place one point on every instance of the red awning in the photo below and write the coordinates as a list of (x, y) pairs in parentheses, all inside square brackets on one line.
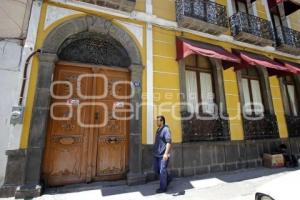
[(273, 3), (189, 47), (252, 59), (292, 67)]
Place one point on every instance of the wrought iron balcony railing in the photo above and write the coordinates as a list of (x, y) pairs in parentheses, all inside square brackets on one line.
[(288, 40), (202, 15), (124, 5), (252, 29)]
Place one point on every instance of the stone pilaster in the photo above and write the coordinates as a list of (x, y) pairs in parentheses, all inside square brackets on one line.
[(14, 174), (31, 186), (135, 175)]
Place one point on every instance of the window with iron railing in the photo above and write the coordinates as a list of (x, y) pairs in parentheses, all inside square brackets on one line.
[(253, 104), (202, 121), (288, 37), (292, 95), (243, 22), (204, 10), (293, 107), (258, 122)]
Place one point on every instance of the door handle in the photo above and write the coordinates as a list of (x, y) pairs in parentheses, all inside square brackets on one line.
[(112, 140)]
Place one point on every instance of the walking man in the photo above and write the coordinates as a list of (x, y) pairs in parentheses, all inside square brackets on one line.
[(162, 149)]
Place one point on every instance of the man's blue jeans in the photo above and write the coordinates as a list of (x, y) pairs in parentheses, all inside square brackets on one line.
[(160, 167)]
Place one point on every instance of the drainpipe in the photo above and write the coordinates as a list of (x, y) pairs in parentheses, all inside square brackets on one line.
[(149, 70), (17, 111), (21, 97)]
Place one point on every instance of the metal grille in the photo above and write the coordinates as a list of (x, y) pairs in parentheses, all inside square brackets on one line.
[(243, 22), (204, 10), (261, 129), (94, 48), (293, 125), (212, 129), (287, 36)]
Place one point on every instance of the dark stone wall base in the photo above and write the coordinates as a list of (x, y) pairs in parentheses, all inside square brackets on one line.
[(197, 158), (14, 172), (28, 191), (136, 179), (188, 159), (7, 191)]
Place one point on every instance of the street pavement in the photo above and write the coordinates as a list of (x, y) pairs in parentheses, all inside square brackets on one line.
[(235, 185)]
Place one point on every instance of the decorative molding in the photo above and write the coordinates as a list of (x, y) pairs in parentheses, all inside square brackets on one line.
[(136, 30), (171, 25), (55, 13)]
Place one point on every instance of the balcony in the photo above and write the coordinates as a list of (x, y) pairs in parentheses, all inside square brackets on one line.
[(202, 15), (123, 5), (288, 41), (251, 29)]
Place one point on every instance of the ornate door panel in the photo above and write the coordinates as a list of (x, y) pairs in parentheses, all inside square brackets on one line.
[(112, 139), (67, 141), (88, 126)]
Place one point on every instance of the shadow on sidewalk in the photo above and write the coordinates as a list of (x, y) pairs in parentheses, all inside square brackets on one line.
[(177, 187)]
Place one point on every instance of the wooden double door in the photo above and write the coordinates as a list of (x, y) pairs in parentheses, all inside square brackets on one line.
[(88, 128)]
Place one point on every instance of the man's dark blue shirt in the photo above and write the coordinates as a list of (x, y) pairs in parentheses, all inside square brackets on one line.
[(163, 136)]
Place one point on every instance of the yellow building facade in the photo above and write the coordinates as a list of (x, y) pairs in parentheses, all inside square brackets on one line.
[(148, 30)]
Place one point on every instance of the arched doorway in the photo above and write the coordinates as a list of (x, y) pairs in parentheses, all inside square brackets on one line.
[(78, 41), (88, 132)]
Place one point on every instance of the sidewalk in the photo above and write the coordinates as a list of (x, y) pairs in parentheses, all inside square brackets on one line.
[(235, 185)]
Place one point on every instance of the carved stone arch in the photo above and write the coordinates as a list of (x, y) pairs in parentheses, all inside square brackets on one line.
[(94, 48), (50, 49), (91, 24)]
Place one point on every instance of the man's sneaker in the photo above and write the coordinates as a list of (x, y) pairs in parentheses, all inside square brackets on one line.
[(160, 190)]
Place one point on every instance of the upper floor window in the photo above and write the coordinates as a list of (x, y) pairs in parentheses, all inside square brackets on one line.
[(199, 85), (253, 104), (244, 6), (241, 6), (277, 22), (293, 103)]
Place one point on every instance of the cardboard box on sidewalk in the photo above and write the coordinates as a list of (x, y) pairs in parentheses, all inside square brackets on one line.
[(272, 161)]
